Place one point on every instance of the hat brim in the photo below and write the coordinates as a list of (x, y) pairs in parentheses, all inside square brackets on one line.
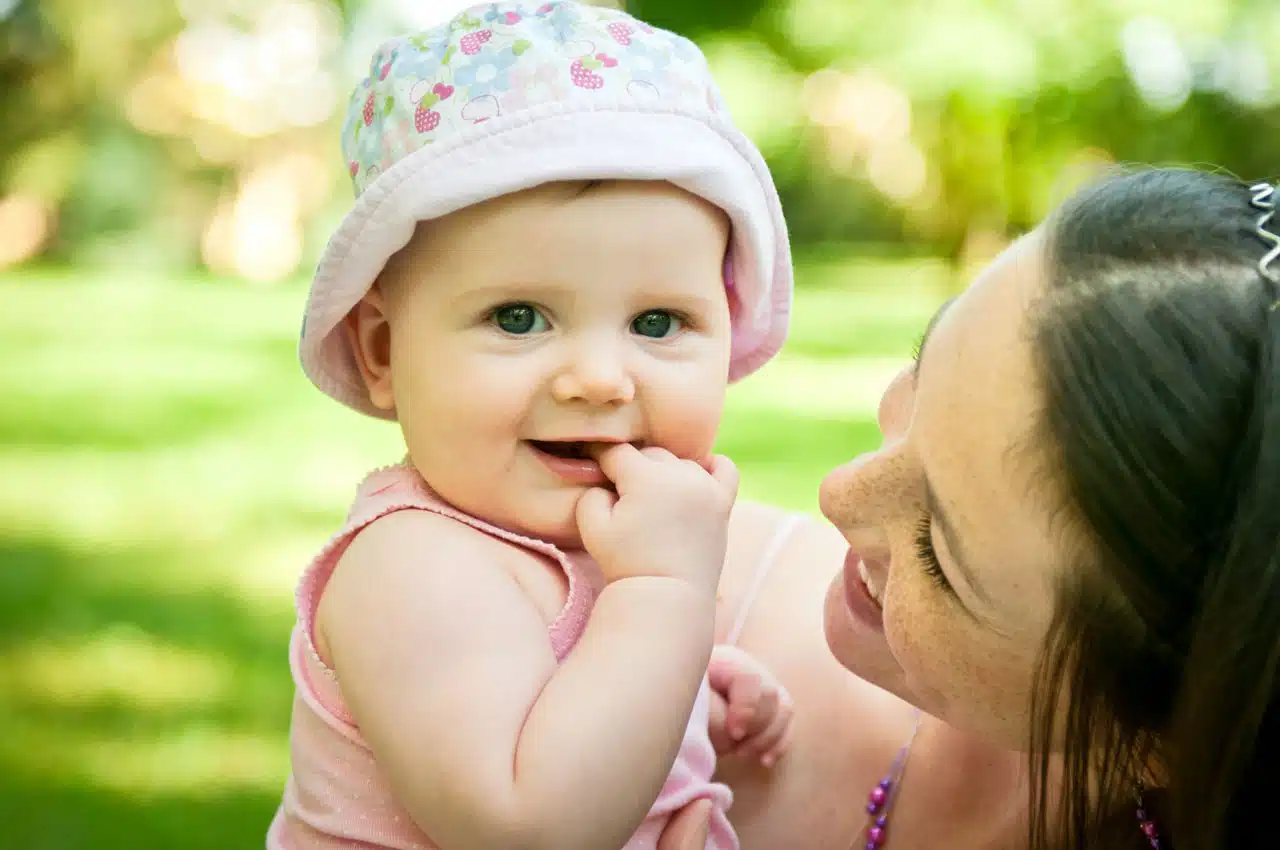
[(700, 153)]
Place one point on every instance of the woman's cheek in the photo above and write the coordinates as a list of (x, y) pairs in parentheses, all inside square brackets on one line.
[(956, 671), (921, 637)]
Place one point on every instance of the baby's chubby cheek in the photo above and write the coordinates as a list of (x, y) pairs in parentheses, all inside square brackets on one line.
[(688, 434)]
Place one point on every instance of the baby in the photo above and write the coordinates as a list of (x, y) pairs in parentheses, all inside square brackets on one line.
[(561, 253)]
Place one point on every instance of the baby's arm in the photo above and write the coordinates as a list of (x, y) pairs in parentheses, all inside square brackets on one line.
[(446, 666)]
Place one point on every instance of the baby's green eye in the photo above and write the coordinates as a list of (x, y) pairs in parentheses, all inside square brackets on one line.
[(519, 319), (655, 324)]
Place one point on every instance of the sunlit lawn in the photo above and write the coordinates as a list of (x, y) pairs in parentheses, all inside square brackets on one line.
[(165, 471)]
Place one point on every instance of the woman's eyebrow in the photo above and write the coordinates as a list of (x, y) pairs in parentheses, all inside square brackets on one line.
[(928, 330), (958, 552)]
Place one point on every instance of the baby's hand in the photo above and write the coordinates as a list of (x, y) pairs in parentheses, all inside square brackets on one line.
[(751, 712), (669, 517)]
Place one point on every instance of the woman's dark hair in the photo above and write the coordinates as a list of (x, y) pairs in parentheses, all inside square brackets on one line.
[(1157, 344)]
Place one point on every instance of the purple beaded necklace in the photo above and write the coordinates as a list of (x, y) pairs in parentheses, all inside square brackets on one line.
[(1148, 825), (883, 795)]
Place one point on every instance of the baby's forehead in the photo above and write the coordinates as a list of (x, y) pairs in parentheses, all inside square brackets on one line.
[(585, 234)]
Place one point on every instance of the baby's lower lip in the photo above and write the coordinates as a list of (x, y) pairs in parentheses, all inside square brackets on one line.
[(583, 471)]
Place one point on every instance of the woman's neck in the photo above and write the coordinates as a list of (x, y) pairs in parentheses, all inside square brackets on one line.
[(974, 792)]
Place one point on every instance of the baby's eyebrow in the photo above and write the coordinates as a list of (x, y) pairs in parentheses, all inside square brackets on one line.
[(515, 287), (656, 297)]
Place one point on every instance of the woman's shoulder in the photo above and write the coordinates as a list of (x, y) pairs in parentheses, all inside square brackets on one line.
[(758, 530), (767, 540)]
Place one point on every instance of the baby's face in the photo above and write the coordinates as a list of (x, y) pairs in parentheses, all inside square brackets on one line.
[(530, 325)]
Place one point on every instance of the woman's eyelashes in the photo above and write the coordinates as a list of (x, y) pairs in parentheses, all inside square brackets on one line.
[(927, 555)]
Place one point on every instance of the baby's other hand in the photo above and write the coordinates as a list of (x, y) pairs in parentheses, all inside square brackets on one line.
[(751, 712)]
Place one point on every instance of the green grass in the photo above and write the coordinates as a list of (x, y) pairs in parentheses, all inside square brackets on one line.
[(165, 471)]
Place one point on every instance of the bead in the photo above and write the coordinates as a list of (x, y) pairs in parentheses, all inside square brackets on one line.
[(880, 796), (1142, 814), (1149, 829)]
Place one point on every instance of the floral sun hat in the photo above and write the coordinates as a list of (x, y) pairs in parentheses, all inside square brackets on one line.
[(507, 96)]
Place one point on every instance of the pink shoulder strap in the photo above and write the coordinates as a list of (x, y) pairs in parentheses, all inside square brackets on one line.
[(767, 559)]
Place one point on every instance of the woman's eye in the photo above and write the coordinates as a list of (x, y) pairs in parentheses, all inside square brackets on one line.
[(655, 324), (519, 319), (929, 556)]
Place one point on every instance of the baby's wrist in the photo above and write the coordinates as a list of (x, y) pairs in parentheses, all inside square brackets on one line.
[(668, 592)]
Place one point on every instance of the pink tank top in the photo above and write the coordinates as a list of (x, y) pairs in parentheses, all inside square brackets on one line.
[(336, 797)]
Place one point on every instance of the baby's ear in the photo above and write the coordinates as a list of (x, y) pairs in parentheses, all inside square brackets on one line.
[(369, 334)]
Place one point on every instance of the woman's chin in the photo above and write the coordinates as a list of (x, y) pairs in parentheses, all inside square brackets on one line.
[(860, 649)]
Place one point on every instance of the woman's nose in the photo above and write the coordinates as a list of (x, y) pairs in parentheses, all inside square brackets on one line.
[(872, 493)]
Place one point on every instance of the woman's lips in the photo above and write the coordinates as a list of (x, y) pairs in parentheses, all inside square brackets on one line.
[(858, 596)]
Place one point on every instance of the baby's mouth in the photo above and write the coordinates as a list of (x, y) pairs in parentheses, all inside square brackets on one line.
[(579, 449), (570, 450), (576, 461)]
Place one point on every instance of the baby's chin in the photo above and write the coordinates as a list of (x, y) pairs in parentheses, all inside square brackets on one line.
[(564, 534), (508, 502), (550, 517)]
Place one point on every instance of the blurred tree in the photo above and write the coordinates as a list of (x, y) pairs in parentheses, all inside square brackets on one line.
[(1010, 103), (165, 129)]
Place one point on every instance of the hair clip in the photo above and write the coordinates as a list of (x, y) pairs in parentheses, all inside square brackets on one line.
[(1264, 198)]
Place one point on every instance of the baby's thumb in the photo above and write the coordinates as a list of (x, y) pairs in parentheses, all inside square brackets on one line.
[(593, 511), (688, 828), (723, 470)]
